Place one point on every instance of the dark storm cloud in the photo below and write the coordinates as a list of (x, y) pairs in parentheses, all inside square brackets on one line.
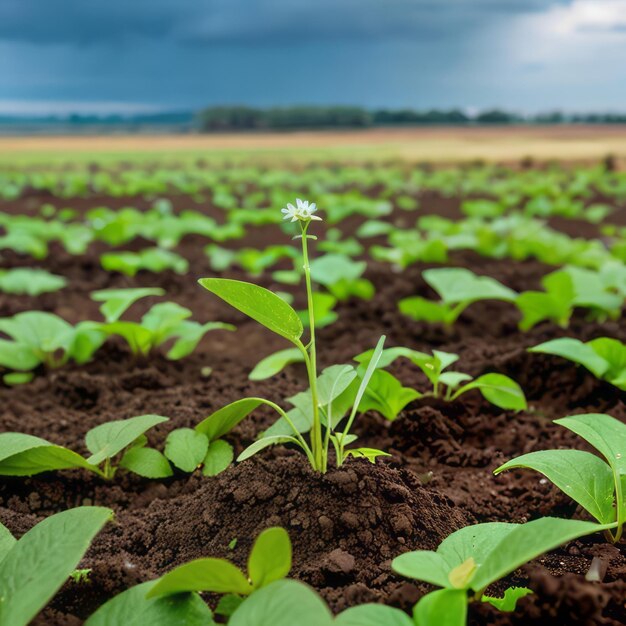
[(245, 21)]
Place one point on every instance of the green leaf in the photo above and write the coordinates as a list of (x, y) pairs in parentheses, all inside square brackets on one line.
[(614, 354), (508, 603), (30, 281), (446, 607), (218, 457), (270, 558), (25, 455), (373, 615), (117, 301), (17, 356), (43, 332), (146, 462), (140, 340), (7, 541), (226, 418), (265, 442), (386, 395), (526, 542), (163, 318), (283, 603), (189, 334), (581, 475), (426, 565), (423, 310), (212, 575), (537, 306), (106, 440), (576, 351), (132, 608), (494, 550), (186, 448), (371, 454), (329, 269), (17, 378), (258, 303), (455, 285), (453, 379), (605, 433), (42, 560), (497, 389), (276, 362)]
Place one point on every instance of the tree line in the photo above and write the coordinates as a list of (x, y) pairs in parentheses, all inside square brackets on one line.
[(229, 118)]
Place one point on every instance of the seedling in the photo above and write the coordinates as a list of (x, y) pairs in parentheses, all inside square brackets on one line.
[(33, 568), (471, 559), (269, 561), (30, 281), (43, 338), (151, 259), (457, 289), (26, 455), (596, 485), (384, 389), (565, 290), (604, 357), (317, 406), (164, 322)]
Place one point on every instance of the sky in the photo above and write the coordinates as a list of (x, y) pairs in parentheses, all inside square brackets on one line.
[(126, 56)]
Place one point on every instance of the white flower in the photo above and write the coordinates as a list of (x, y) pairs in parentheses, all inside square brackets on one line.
[(302, 211)]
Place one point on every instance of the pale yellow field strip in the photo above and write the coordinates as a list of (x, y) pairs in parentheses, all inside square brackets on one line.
[(415, 144)]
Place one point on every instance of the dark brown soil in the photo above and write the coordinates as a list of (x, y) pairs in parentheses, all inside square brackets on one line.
[(348, 525)]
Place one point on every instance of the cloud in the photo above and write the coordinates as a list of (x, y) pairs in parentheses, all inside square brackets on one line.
[(247, 21)]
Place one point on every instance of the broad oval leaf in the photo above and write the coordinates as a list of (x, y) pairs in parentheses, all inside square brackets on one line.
[(283, 603), (581, 475), (458, 284), (218, 457), (110, 438), (42, 560), (258, 303), (270, 558), (373, 615), (132, 608), (446, 607), (186, 448), (226, 418), (213, 575), (146, 462)]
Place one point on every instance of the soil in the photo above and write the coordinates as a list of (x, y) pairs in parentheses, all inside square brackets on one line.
[(346, 526)]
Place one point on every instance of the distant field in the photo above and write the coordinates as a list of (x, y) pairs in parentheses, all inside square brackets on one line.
[(420, 144)]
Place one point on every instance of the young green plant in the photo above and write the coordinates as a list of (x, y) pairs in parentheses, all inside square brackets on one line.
[(475, 557), (386, 394), (317, 405), (604, 357), (598, 486), (26, 455)]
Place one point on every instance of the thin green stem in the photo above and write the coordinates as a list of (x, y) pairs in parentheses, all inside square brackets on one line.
[(317, 445)]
